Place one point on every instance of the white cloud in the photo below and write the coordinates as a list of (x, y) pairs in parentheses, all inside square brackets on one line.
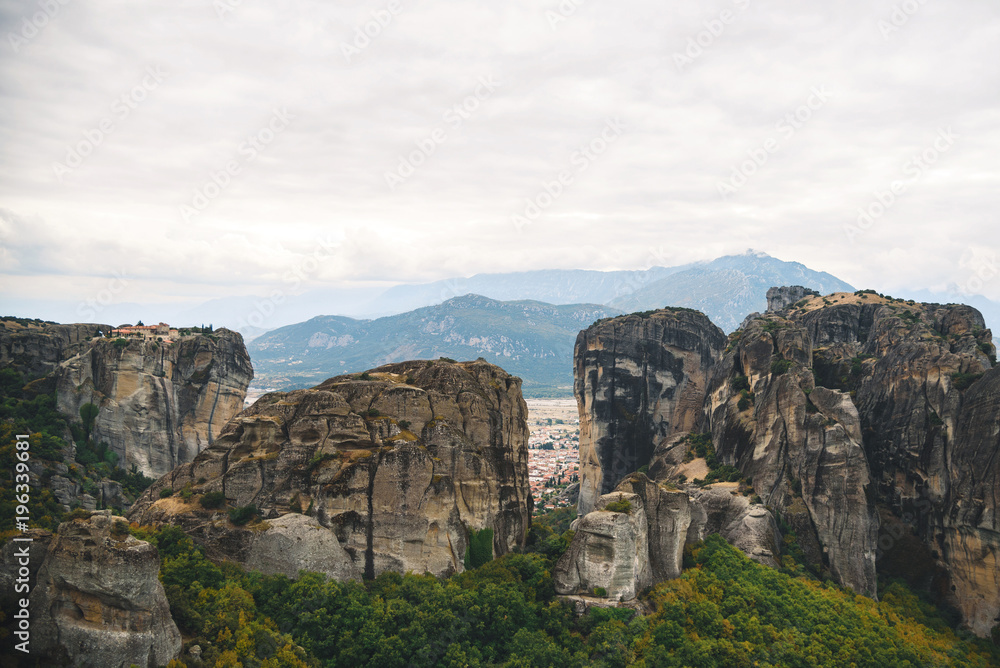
[(656, 187)]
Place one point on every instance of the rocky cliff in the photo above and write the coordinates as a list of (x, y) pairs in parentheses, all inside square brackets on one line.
[(927, 399), (639, 380), (844, 412), (36, 348), (98, 602), (160, 403), (800, 445), (609, 555), (391, 469)]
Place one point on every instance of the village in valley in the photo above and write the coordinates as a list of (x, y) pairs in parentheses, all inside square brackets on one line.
[(553, 451)]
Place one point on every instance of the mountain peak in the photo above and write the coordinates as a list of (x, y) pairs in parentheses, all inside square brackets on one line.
[(467, 300)]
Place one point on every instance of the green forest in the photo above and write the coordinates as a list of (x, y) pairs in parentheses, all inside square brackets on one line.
[(724, 611)]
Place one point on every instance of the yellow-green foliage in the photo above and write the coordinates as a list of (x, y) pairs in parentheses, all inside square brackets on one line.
[(730, 611), (724, 611), (622, 505)]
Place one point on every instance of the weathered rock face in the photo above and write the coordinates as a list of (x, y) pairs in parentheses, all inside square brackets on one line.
[(398, 463), (624, 552), (36, 348), (160, 403), (609, 552), (668, 518), (639, 379), (968, 531), (98, 601), (778, 299), (748, 527), (839, 409), (296, 542), (800, 444), (927, 405)]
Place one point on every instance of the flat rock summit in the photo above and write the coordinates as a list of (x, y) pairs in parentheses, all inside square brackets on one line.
[(388, 470)]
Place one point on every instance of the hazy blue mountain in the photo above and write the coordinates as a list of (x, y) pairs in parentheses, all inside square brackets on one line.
[(728, 288), (530, 339), (552, 286)]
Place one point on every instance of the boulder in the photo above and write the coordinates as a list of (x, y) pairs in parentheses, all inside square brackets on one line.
[(749, 527), (295, 542), (98, 601), (609, 556)]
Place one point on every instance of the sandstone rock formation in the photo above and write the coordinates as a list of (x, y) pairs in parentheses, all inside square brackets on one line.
[(780, 298), (748, 527), (609, 556), (98, 601), (839, 409), (966, 527), (296, 542), (800, 445), (608, 549), (160, 403), (927, 397), (668, 514), (639, 379), (399, 463), (36, 348)]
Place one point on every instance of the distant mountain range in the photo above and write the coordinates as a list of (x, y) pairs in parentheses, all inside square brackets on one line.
[(522, 322), (729, 288), (530, 339), (725, 289), (526, 322)]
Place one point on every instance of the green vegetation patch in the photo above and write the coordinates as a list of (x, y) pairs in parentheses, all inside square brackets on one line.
[(780, 366), (243, 514), (212, 500), (480, 548), (962, 381), (622, 505)]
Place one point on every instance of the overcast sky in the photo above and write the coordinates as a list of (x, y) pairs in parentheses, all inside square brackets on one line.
[(115, 116)]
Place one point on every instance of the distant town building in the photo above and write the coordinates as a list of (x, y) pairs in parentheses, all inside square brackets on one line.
[(162, 330)]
